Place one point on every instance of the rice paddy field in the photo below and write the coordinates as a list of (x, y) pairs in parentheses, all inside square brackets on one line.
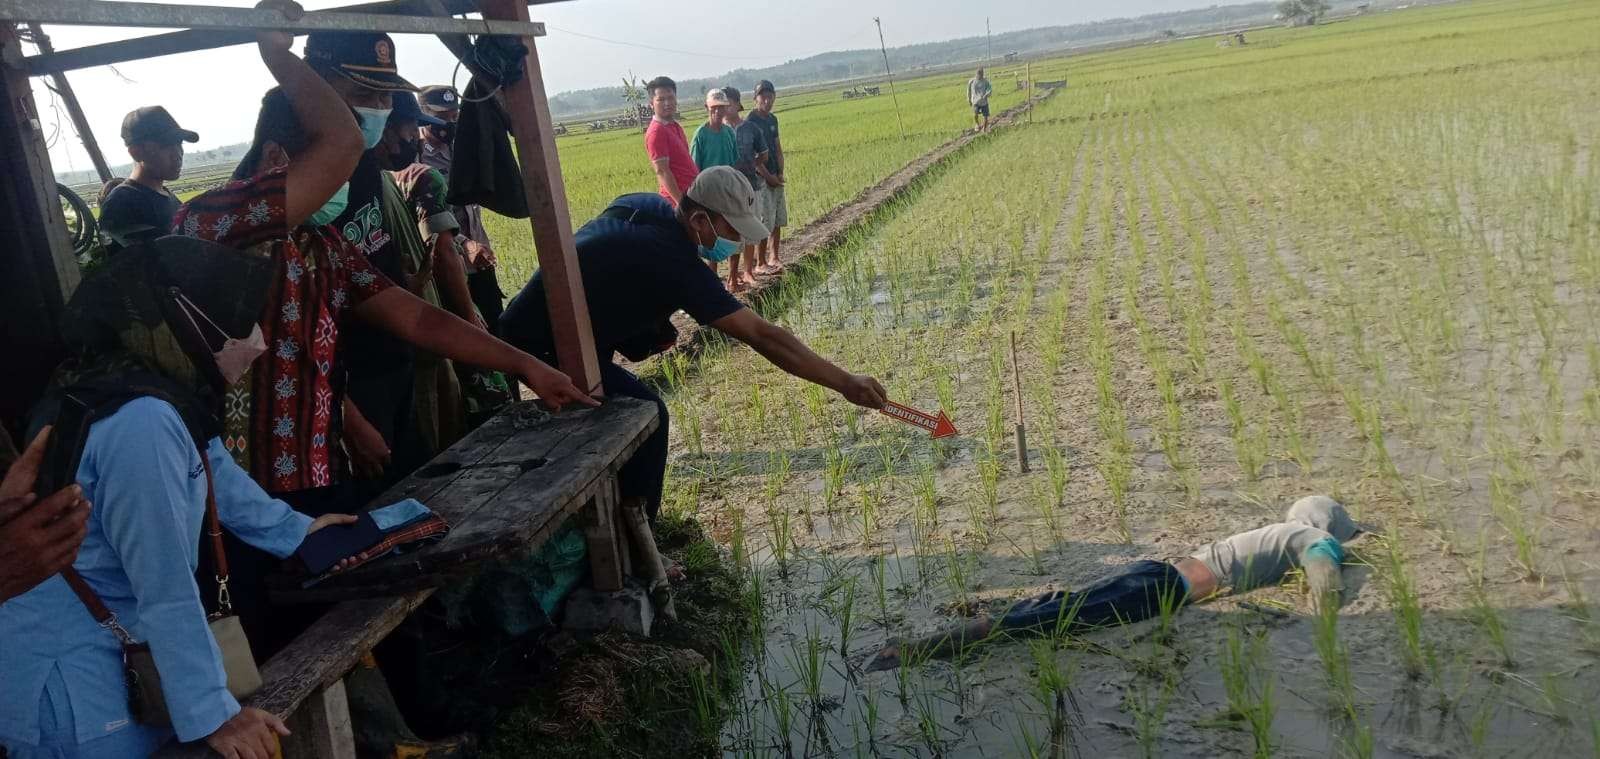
[(833, 149), (1360, 259)]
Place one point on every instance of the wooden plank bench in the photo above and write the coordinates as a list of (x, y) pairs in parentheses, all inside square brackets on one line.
[(505, 488)]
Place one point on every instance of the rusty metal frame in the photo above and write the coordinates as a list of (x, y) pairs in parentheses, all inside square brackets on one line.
[(525, 103), (169, 16), (189, 40)]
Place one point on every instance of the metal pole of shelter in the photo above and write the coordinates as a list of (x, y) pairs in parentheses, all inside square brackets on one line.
[(74, 111), (38, 270), (553, 243)]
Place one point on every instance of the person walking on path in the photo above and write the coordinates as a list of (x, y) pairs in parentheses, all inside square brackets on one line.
[(141, 207), (775, 212), (753, 150), (665, 142), (978, 89)]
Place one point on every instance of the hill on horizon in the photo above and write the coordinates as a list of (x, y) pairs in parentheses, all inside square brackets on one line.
[(840, 65)]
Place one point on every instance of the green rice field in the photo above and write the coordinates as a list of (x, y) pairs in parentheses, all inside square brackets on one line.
[(1360, 259)]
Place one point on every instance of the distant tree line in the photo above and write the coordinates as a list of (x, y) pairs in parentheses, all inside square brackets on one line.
[(849, 64), (1302, 12)]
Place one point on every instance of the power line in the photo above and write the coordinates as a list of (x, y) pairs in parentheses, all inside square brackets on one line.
[(886, 72)]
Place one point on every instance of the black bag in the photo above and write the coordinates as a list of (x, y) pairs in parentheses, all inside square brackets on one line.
[(483, 169)]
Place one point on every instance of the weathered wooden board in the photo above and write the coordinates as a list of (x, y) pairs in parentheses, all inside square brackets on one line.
[(318, 658), (320, 728), (502, 490)]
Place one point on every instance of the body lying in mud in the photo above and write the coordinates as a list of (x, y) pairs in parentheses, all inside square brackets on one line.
[(1311, 537)]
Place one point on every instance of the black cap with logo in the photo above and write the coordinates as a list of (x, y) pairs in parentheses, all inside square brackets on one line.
[(765, 86), (152, 123), (367, 58), (405, 107), (440, 97)]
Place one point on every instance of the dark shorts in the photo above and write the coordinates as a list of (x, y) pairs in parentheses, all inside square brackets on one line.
[(983, 109)]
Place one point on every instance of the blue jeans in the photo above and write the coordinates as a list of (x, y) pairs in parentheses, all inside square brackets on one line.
[(58, 739), (1136, 592)]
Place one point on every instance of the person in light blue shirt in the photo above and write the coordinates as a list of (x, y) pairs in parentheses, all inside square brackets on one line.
[(155, 335)]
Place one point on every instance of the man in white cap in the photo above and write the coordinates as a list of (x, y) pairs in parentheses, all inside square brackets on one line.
[(641, 263)]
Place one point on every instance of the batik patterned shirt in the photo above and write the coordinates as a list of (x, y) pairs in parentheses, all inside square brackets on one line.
[(282, 422)]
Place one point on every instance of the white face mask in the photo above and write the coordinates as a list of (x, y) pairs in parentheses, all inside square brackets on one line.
[(235, 356)]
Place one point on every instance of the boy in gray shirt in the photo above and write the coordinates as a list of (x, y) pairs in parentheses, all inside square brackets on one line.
[(753, 149), (1311, 537)]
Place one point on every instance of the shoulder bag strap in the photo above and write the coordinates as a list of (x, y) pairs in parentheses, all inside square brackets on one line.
[(108, 618), (97, 608), (214, 531)]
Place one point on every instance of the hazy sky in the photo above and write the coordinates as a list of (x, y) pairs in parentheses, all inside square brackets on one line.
[(216, 92)]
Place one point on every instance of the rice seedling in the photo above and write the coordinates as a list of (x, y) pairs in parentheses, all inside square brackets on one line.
[(835, 467), (1484, 613), (1149, 703), (957, 574), (706, 702), (780, 523), (1334, 656), (1055, 467), (1513, 518), (1250, 686), (871, 500), (1402, 592), (780, 710), (1581, 612), (1049, 512), (806, 659), (989, 479)]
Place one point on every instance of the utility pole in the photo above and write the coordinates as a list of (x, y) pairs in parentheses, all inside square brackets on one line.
[(989, 40), (890, 75), (80, 124)]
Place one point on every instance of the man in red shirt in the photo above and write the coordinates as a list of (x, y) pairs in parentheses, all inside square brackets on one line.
[(665, 142)]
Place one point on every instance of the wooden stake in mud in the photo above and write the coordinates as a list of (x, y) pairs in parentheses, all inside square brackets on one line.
[(1016, 383), (1028, 72)]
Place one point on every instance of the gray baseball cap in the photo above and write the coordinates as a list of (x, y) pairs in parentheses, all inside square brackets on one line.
[(716, 96), (1326, 514), (724, 190)]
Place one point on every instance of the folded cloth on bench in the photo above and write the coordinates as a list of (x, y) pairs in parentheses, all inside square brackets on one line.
[(396, 528)]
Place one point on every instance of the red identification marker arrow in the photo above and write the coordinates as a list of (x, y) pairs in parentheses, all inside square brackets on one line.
[(939, 426)]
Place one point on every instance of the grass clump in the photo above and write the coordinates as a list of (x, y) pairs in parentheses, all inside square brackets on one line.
[(612, 695)]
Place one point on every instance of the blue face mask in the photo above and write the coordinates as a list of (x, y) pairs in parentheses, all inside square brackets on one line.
[(719, 251), (335, 206), (373, 121)]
